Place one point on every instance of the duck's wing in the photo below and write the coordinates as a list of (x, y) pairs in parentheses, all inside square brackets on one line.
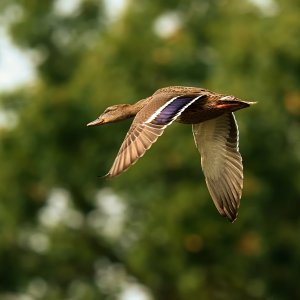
[(217, 142), (144, 131)]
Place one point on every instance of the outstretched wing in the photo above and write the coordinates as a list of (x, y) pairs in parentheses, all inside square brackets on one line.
[(143, 133), (217, 142)]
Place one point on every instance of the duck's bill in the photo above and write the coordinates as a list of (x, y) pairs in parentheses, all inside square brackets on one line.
[(95, 122)]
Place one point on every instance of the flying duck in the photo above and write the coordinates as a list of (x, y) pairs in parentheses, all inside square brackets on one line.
[(214, 128)]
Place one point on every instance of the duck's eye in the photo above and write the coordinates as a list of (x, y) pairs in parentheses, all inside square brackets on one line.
[(108, 110)]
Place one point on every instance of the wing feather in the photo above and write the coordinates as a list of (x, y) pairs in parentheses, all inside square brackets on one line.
[(142, 135), (217, 142)]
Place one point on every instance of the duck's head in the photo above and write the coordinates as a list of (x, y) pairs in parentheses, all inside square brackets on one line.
[(112, 114)]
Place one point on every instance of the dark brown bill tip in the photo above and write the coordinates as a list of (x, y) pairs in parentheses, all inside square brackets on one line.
[(95, 122)]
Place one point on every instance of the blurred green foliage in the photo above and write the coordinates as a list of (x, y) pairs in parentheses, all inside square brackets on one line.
[(66, 234)]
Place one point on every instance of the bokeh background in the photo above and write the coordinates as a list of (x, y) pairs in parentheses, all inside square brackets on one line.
[(152, 233)]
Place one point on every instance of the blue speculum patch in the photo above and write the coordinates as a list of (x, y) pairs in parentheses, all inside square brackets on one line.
[(170, 111)]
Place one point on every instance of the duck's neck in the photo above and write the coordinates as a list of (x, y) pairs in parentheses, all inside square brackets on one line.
[(136, 107), (140, 104)]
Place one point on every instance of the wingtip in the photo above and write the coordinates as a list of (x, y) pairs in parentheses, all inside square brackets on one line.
[(231, 217), (106, 176), (232, 220)]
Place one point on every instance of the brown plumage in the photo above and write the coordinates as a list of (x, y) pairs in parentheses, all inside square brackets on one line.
[(214, 128)]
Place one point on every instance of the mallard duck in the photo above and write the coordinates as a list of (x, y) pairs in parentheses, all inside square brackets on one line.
[(214, 128)]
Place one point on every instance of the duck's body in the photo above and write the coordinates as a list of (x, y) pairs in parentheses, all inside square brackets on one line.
[(214, 128)]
